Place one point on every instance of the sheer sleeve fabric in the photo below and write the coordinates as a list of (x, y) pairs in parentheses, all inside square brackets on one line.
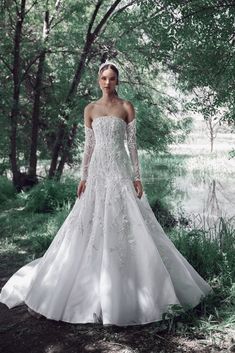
[(132, 147), (88, 150)]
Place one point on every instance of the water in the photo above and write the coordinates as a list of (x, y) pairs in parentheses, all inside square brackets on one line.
[(197, 183)]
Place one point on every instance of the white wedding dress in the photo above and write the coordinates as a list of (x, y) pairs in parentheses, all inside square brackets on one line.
[(110, 261)]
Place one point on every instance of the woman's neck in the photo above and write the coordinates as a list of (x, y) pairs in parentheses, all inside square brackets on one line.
[(108, 98)]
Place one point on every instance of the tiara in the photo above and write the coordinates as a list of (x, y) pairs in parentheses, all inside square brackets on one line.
[(107, 62)]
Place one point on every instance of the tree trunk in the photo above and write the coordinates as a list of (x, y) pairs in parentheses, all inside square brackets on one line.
[(62, 127), (16, 95), (65, 152), (63, 138), (211, 130), (212, 143), (37, 101), (35, 118)]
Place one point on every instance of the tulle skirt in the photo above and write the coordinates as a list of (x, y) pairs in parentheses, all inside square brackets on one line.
[(110, 262)]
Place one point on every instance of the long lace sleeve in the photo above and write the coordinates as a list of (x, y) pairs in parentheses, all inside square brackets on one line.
[(88, 150), (132, 147)]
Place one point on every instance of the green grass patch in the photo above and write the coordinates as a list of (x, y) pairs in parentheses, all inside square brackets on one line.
[(7, 190)]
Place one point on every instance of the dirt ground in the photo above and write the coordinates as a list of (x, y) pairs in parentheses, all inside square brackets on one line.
[(22, 333)]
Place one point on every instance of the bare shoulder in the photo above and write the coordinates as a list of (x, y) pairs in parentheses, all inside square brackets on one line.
[(130, 110), (128, 105), (88, 114), (89, 107)]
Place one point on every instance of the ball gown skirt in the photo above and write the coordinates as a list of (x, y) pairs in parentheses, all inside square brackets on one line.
[(110, 262)]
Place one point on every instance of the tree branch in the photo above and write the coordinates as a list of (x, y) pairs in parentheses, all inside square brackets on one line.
[(93, 17), (202, 9), (57, 10), (30, 8), (29, 66), (105, 18), (123, 8)]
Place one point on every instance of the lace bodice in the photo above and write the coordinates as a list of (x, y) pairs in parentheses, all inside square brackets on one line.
[(104, 150)]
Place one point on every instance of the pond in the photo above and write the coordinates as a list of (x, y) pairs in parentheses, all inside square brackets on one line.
[(192, 181)]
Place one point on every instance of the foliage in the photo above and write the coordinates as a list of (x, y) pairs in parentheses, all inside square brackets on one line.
[(204, 47), (211, 255), (194, 40), (50, 195), (232, 153), (7, 190)]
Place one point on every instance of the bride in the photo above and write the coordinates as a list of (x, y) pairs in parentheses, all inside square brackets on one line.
[(110, 262)]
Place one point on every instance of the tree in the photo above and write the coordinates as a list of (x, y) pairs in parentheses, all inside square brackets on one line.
[(47, 26), (207, 104), (42, 77), (204, 48), (57, 70), (16, 74)]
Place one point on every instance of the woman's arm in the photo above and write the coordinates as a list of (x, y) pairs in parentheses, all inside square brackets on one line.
[(131, 139), (89, 143)]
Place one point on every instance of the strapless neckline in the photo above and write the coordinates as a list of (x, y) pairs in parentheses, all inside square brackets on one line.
[(108, 117)]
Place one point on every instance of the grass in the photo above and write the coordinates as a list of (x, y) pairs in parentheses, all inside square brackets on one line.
[(29, 221), (210, 251)]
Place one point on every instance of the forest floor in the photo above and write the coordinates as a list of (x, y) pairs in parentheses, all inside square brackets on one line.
[(22, 333)]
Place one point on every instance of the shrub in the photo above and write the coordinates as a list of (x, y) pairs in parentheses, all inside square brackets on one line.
[(211, 252), (7, 190), (51, 195)]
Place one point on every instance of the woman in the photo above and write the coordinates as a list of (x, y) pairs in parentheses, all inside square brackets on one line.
[(110, 105), (110, 261)]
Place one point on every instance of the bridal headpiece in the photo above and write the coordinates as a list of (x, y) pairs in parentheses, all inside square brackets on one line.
[(107, 62)]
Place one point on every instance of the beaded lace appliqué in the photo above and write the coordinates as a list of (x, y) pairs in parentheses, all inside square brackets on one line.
[(115, 151), (88, 150), (132, 147), (109, 175)]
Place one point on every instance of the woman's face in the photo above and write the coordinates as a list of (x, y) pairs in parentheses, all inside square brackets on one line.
[(108, 81)]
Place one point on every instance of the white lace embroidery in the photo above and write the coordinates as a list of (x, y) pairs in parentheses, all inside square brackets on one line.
[(88, 150), (132, 147), (115, 154), (117, 233), (109, 172)]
